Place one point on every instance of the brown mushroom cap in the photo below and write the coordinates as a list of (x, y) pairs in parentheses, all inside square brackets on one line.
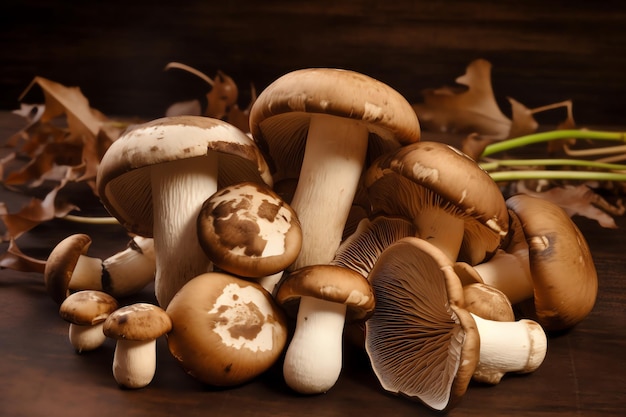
[(123, 179), (421, 342), (487, 302), (226, 330), (280, 116), (248, 230), (424, 174), (564, 276), (331, 283), (138, 322), (87, 307), (61, 263)]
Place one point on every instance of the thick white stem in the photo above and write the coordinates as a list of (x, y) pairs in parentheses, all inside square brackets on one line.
[(178, 190), (87, 274), (329, 176), (313, 359), (509, 273), (441, 229), (518, 346), (134, 363), (86, 337)]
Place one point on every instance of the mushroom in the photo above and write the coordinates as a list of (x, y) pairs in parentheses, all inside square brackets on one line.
[(423, 343), (326, 297), (156, 176), (319, 125), (487, 302), (453, 203), (248, 230), (547, 272), (136, 327), (86, 312), (69, 268), (226, 330)]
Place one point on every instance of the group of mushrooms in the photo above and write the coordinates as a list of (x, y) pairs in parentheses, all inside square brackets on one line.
[(332, 212)]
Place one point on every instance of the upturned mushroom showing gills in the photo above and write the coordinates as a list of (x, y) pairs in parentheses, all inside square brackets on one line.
[(226, 330), (156, 176), (454, 204), (326, 297), (86, 312), (548, 274), (320, 125), (248, 230), (421, 341), (136, 327)]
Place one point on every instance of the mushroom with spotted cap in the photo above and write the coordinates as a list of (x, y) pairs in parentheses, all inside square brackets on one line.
[(136, 327), (248, 230), (86, 312), (326, 297), (155, 177), (320, 125), (226, 330)]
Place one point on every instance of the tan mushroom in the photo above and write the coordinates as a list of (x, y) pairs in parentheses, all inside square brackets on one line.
[(156, 176), (320, 125), (326, 297), (136, 328), (226, 330), (86, 312)]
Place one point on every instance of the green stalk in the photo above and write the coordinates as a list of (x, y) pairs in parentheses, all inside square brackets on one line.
[(494, 165), (556, 175), (552, 135)]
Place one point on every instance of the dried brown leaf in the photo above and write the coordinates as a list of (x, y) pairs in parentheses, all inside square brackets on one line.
[(15, 259)]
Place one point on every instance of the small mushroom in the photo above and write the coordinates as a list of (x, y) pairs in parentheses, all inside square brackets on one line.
[(423, 343), (155, 177), (226, 330), (86, 312), (125, 273), (326, 296), (248, 230), (136, 328), (547, 272), (453, 203), (320, 125)]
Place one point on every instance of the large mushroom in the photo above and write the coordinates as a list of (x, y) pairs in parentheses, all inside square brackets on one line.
[(226, 330), (319, 125), (156, 176), (326, 297), (248, 230), (547, 270), (423, 343), (453, 203)]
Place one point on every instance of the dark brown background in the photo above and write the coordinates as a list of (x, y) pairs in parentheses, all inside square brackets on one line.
[(542, 51)]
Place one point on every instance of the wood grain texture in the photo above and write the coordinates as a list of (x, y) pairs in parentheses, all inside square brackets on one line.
[(542, 52)]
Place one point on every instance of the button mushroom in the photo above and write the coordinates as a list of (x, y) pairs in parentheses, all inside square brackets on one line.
[(69, 268), (248, 230), (86, 312), (156, 176), (326, 297), (548, 271), (453, 203), (226, 330), (135, 328), (318, 125), (421, 341)]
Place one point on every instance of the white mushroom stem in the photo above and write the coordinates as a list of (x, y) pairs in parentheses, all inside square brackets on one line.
[(134, 362), (178, 190), (130, 270), (329, 176), (518, 346), (86, 337), (87, 274), (313, 359), (270, 282), (509, 273)]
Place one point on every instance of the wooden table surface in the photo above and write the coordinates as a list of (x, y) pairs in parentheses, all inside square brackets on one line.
[(584, 372)]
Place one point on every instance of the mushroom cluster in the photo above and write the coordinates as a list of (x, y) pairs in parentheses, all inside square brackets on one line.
[(333, 211)]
